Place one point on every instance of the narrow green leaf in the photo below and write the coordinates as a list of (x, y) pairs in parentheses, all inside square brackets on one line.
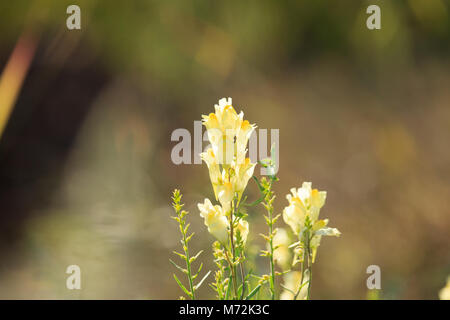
[(182, 287), (295, 244), (182, 256), (200, 268), (189, 237), (239, 291), (254, 291), (255, 202), (195, 257), (265, 237), (227, 294), (201, 281), (178, 267), (260, 187)]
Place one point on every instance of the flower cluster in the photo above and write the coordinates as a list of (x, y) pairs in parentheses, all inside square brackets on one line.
[(230, 171), (302, 215), (229, 168)]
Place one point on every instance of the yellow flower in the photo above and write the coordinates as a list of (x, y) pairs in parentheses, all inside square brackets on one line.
[(243, 173), (225, 194), (304, 203), (223, 145), (226, 115), (444, 293), (223, 127), (281, 254), (211, 122), (243, 133), (229, 169), (319, 229), (242, 228), (228, 133), (292, 282), (215, 220), (213, 167)]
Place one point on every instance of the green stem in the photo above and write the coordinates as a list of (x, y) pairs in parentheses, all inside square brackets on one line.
[(306, 265), (309, 269), (233, 253), (302, 277), (188, 264), (233, 275), (272, 273), (268, 200), (272, 264), (242, 280)]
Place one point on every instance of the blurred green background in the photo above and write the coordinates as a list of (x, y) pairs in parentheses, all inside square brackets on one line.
[(85, 169)]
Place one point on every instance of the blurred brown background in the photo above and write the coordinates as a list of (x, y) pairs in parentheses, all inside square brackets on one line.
[(85, 169)]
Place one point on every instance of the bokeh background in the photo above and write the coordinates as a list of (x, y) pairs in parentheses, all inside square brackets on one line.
[(85, 168)]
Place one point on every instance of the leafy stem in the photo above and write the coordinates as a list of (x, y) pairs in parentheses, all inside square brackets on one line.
[(269, 197), (183, 226), (309, 264), (306, 266), (233, 252)]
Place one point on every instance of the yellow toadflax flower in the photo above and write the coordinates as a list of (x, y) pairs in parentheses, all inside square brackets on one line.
[(214, 169), (218, 224), (242, 228), (244, 171), (215, 220), (444, 293), (229, 168), (303, 202), (302, 214), (228, 134), (224, 127)]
